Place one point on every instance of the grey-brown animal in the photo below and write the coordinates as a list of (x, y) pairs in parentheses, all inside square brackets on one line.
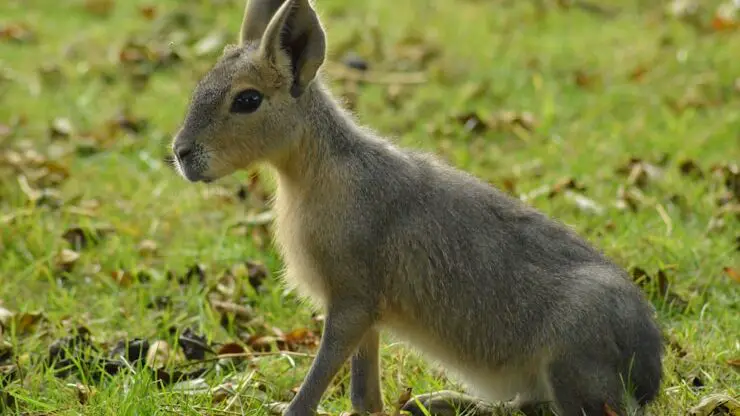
[(523, 311)]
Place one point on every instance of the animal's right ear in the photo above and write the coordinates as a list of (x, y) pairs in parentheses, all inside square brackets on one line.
[(257, 15)]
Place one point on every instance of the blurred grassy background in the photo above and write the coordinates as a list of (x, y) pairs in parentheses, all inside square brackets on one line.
[(619, 118)]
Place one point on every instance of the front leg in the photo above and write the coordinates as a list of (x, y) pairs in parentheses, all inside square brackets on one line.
[(347, 321), (365, 389)]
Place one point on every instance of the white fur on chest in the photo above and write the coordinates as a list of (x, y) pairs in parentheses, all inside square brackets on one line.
[(301, 272)]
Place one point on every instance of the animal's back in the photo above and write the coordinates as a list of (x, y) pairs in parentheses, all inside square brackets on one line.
[(486, 284)]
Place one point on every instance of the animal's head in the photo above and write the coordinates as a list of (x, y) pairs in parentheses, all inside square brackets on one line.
[(248, 107)]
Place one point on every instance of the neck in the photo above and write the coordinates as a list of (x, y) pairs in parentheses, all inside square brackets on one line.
[(329, 131)]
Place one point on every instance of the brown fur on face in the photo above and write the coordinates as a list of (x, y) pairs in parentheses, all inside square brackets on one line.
[(215, 140)]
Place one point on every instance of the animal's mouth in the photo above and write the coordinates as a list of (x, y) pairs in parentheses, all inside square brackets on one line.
[(189, 172)]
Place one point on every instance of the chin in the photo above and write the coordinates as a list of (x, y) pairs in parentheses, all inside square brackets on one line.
[(192, 175)]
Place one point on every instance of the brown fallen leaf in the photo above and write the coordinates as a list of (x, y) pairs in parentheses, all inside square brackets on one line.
[(147, 248), (301, 336), (61, 127), (6, 351), (5, 317), (677, 349), (472, 122), (732, 273), (638, 73), (148, 11), (122, 278), (565, 183), (264, 343), (66, 259), (158, 354), (196, 272), (84, 393), (99, 7), (608, 411), (403, 398), (231, 348), (640, 172), (715, 405), (690, 168), (584, 203), (694, 380), (125, 121), (193, 345), (17, 32), (133, 350), (8, 373), (82, 237), (629, 198), (585, 79), (26, 322), (734, 363), (415, 50), (726, 17), (241, 312)]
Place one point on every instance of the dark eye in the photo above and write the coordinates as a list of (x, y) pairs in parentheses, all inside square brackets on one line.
[(246, 101)]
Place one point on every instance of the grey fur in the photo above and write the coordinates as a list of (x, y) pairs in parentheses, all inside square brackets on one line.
[(516, 305)]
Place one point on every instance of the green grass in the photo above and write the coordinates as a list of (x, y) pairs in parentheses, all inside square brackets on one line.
[(601, 89)]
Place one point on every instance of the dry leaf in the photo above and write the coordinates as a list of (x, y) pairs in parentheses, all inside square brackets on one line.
[(17, 32), (264, 343), (83, 392), (99, 7), (716, 404), (734, 363), (5, 317), (147, 248), (301, 336), (61, 127), (584, 79), (732, 273), (6, 350), (608, 411), (66, 259), (638, 74), (122, 278), (639, 172), (158, 354), (403, 398), (231, 348), (726, 17), (194, 346), (690, 168), (240, 312), (132, 350), (80, 238), (584, 203), (148, 11)]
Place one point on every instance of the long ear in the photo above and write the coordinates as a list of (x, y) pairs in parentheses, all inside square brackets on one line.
[(295, 29), (257, 15)]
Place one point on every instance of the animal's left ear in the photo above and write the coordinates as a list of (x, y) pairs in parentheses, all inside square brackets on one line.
[(295, 29)]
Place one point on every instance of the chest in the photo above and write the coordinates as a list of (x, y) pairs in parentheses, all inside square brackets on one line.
[(302, 234)]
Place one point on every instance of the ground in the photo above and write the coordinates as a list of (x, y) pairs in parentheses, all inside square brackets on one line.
[(619, 118)]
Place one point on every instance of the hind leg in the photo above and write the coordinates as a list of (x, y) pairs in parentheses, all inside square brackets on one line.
[(582, 387)]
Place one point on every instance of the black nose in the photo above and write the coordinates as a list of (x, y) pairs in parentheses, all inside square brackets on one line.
[(183, 151)]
